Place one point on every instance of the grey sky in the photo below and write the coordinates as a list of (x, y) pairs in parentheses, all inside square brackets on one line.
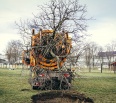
[(103, 27)]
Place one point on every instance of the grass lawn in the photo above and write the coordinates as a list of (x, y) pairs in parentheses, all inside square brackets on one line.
[(14, 88), (99, 86)]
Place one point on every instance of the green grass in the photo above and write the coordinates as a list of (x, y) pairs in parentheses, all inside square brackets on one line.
[(14, 88), (11, 86), (99, 86)]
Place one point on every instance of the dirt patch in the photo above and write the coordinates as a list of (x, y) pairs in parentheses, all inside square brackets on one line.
[(60, 97)]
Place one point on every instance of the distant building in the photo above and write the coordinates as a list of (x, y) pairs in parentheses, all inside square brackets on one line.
[(106, 54), (2, 59), (3, 62), (101, 58), (107, 57)]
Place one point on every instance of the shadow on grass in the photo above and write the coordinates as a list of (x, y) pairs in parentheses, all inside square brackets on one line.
[(25, 90), (2, 92)]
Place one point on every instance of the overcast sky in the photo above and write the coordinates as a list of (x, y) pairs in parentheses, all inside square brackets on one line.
[(103, 28)]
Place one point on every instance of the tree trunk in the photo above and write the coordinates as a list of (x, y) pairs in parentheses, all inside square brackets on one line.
[(89, 68)]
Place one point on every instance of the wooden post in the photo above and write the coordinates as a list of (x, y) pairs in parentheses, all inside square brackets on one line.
[(101, 67)]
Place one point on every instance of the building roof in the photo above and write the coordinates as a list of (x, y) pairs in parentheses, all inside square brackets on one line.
[(113, 63), (2, 61), (105, 54)]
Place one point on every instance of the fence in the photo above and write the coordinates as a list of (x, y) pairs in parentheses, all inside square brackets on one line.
[(9, 66)]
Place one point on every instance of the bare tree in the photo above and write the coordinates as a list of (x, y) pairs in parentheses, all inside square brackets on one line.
[(90, 53), (13, 51), (88, 56), (61, 16), (113, 48), (94, 50), (101, 57), (110, 52), (58, 15)]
